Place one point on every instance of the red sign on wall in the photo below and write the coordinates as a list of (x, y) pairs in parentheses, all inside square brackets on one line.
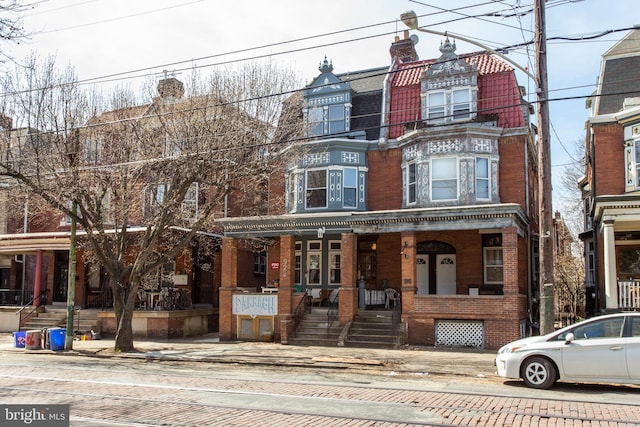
[(275, 266)]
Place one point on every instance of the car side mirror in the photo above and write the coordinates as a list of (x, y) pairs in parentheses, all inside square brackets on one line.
[(570, 337)]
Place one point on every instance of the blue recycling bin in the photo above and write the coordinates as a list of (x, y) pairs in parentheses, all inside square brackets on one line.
[(57, 337), (20, 339)]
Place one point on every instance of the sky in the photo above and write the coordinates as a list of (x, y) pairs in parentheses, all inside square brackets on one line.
[(125, 42)]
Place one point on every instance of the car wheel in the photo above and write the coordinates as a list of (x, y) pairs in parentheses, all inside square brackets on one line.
[(538, 372)]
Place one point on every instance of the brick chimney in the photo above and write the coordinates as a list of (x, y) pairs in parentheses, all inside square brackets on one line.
[(403, 49), (6, 123), (170, 87)]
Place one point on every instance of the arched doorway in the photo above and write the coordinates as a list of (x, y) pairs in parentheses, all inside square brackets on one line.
[(435, 268)]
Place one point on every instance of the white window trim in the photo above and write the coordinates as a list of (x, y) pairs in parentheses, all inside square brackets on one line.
[(326, 188), (431, 180), (355, 187), (409, 184), (449, 106), (330, 266), (488, 177), (485, 264)]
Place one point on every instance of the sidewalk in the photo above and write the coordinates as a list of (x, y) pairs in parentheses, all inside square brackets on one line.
[(208, 348)]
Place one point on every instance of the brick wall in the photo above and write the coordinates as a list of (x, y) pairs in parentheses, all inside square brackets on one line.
[(384, 179), (609, 154), (511, 175)]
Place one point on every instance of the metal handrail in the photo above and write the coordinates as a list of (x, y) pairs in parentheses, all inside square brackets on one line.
[(396, 320), (42, 295), (304, 305), (332, 311)]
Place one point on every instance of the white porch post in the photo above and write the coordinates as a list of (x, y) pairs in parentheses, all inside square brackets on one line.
[(610, 281)]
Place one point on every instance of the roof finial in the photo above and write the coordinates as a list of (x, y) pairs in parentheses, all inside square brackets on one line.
[(326, 66)]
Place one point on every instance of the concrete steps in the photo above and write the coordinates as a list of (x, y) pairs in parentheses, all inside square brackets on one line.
[(370, 329), (56, 317), (315, 329), (373, 329)]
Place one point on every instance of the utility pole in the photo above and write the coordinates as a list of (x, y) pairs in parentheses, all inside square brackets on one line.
[(71, 282), (544, 175)]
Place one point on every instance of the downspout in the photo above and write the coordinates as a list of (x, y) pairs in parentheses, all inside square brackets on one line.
[(528, 212), (594, 226), (386, 105)]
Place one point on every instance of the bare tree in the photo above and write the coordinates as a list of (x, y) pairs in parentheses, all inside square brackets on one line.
[(569, 270), (146, 178), (11, 28)]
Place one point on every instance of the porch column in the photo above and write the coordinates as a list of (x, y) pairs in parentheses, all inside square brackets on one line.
[(348, 303), (37, 286), (287, 286), (227, 288), (408, 270), (610, 282), (513, 309)]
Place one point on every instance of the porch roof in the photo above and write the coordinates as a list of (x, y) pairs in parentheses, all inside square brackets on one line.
[(30, 243), (620, 208), (473, 217)]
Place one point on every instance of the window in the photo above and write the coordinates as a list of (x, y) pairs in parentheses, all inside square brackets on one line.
[(436, 106), (334, 262), (493, 266), (350, 187), (411, 183), (492, 259), (444, 179), (259, 264), (190, 203), (482, 178), (93, 151), (315, 121), (610, 328), (298, 266), (326, 120), (336, 118), (461, 103), (157, 193), (314, 263), (317, 188), (448, 105), (632, 162)]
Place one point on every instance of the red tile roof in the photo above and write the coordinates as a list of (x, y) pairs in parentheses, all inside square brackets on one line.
[(497, 92)]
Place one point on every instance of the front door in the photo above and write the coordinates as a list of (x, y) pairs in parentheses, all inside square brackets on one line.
[(314, 263), (446, 274), (61, 277), (422, 274)]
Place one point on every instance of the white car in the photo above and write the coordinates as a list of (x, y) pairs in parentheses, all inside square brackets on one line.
[(600, 349)]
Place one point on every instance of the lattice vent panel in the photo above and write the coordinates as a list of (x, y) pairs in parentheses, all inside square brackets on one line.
[(460, 333)]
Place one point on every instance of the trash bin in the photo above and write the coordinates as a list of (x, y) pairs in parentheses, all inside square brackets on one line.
[(32, 339), (19, 339), (57, 337)]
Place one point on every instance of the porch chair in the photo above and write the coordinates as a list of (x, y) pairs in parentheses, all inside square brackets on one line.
[(392, 296)]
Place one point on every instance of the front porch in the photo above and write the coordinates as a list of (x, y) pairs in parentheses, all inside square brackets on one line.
[(629, 294)]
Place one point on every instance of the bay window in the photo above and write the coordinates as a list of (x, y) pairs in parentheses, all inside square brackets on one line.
[(435, 105), (316, 188), (349, 187), (411, 183), (444, 179), (482, 178)]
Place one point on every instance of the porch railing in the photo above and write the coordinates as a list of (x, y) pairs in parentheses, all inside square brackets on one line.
[(629, 294)]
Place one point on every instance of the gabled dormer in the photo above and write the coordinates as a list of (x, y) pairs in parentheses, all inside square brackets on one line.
[(449, 88), (327, 104)]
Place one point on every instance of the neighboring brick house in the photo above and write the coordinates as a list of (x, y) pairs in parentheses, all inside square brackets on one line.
[(419, 177), (611, 185), (34, 243)]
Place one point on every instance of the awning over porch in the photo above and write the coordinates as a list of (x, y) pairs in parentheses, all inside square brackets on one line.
[(480, 217), (30, 243)]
